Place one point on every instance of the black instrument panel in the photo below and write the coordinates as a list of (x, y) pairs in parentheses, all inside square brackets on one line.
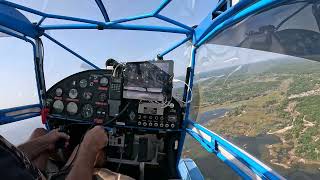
[(82, 96), (95, 96), (138, 130)]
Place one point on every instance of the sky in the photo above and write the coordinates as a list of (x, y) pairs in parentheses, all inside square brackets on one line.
[(16, 58)]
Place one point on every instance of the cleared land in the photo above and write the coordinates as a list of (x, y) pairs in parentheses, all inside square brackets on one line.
[(282, 100)]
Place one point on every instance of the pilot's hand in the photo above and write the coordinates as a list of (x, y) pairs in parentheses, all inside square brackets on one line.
[(53, 136), (95, 139)]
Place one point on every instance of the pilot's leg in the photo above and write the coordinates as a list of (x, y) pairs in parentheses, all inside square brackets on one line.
[(99, 172), (41, 161)]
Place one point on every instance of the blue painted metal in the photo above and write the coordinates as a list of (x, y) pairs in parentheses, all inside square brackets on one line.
[(40, 22), (208, 23), (162, 6), (69, 50), (103, 10), (164, 18), (19, 108), (48, 15), (235, 168), (188, 95), (117, 26), (13, 19), (206, 30), (34, 54), (8, 116), (210, 147), (257, 166), (189, 170), (175, 46), (129, 19), (238, 17)]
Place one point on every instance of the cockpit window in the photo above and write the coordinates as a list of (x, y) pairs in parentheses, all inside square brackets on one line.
[(257, 84), (290, 29)]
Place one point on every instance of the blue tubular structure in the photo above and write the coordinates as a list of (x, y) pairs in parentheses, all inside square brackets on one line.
[(164, 18), (238, 17), (188, 94), (162, 6), (48, 15), (19, 113), (69, 50), (244, 164), (41, 21), (118, 26), (174, 46), (230, 152), (208, 23), (35, 58), (103, 10)]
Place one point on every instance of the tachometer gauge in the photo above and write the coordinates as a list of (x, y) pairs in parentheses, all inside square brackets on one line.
[(104, 81), (59, 92), (73, 93), (83, 83), (87, 95), (72, 108), (87, 111), (58, 106)]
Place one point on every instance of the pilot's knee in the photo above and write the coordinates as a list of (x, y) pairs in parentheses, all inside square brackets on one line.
[(38, 132)]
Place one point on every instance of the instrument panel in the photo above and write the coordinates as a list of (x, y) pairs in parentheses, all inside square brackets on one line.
[(142, 128), (83, 96), (95, 96)]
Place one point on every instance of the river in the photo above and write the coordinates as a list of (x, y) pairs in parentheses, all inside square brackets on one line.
[(212, 168), (207, 116)]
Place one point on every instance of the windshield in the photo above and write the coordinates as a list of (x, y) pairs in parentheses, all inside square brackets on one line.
[(257, 84)]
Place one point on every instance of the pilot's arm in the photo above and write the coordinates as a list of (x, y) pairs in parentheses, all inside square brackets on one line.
[(94, 141), (42, 142)]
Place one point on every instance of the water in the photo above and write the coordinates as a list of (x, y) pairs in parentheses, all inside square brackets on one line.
[(256, 146), (211, 115)]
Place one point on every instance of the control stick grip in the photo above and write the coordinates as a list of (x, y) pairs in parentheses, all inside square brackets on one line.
[(60, 144)]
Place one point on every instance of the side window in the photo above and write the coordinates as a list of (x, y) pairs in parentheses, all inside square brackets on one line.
[(17, 76), (266, 103), (18, 86)]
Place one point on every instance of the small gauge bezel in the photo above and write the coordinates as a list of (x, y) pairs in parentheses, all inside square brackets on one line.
[(83, 109), (85, 97), (60, 93), (104, 83), (55, 109), (73, 96), (81, 83), (71, 112)]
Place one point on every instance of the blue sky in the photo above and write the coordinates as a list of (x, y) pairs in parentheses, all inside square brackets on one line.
[(16, 60), (94, 45)]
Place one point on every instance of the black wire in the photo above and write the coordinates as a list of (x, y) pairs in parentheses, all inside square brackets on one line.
[(116, 117)]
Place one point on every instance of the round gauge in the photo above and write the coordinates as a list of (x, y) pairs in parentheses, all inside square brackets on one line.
[(104, 81), (72, 108), (58, 106), (73, 93), (103, 97), (87, 95), (83, 83), (87, 111), (59, 92)]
